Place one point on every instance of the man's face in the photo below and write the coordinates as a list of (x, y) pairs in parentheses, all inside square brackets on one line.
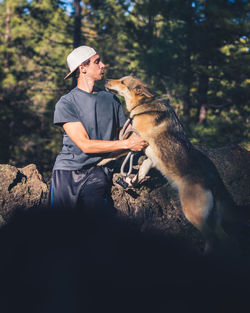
[(95, 69)]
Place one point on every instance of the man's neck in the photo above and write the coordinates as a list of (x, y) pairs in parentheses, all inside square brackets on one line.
[(85, 84)]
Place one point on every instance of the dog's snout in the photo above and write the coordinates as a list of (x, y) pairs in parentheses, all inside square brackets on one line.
[(107, 85)]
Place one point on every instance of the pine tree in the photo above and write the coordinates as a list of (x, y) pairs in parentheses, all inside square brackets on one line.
[(34, 41)]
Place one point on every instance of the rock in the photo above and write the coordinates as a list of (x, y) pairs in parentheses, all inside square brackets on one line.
[(154, 205), (233, 164), (43, 253), (20, 188)]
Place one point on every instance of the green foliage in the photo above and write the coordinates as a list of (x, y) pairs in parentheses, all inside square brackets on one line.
[(35, 43), (220, 130)]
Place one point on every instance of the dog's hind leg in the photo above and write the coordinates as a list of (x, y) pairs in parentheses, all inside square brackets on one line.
[(199, 208), (197, 203)]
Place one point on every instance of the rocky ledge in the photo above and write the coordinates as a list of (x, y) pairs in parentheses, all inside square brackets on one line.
[(154, 205)]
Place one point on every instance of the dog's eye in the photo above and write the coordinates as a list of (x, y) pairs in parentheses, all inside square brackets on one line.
[(122, 82)]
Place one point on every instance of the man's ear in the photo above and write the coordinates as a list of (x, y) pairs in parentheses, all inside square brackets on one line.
[(82, 68), (141, 90)]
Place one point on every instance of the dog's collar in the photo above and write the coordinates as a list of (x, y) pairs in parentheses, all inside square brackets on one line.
[(137, 106), (144, 112), (131, 117), (140, 113)]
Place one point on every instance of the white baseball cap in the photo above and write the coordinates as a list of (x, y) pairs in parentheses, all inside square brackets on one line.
[(77, 57)]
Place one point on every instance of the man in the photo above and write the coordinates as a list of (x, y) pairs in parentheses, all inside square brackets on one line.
[(91, 121)]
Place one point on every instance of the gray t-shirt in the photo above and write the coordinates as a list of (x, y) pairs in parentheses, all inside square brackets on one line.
[(102, 116)]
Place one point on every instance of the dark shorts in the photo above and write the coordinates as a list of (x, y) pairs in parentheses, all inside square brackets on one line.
[(86, 188)]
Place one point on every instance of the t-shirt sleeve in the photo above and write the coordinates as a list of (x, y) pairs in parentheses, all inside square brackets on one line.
[(64, 112)]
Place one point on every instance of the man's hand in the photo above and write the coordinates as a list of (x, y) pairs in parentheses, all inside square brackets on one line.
[(136, 143)]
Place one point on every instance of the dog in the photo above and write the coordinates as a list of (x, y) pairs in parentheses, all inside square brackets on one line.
[(205, 201)]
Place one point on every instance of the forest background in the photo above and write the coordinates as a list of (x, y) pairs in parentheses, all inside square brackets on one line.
[(194, 53)]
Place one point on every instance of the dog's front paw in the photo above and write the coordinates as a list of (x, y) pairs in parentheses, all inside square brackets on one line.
[(132, 181), (128, 180)]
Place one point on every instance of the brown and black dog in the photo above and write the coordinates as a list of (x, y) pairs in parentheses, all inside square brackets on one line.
[(205, 201)]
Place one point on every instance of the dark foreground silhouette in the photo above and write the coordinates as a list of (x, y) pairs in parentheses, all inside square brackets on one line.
[(71, 262)]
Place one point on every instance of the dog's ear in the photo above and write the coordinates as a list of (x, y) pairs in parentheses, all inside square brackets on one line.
[(141, 90)]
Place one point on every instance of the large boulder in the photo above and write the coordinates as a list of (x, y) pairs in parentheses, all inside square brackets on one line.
[(20, 188)]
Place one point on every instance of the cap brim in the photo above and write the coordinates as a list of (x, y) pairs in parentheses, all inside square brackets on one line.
[(70, 74)]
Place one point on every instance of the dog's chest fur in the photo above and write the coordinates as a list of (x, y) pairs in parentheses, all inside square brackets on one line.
[(158, 124)]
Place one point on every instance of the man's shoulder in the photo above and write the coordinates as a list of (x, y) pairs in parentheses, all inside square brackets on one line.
[(107, 96), (69, 96), (66, 99), (102, 95)]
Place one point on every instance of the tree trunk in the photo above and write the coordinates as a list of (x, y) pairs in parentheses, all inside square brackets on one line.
[(188, 69), (202, 114), (7, 37), (77, 23), (202, 96), (186, 106), (77, 30)]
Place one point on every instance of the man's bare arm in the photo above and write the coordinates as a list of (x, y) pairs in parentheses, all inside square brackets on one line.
[(78, 134)]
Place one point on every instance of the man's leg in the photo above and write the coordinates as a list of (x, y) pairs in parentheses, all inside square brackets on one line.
[(65, 188), (94, 194), (100, 220)]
